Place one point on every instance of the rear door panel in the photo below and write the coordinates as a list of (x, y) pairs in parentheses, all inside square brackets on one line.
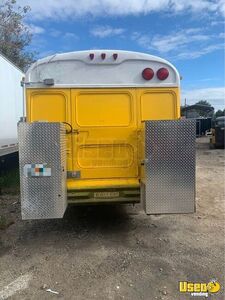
[(51, 105), (105, 133)]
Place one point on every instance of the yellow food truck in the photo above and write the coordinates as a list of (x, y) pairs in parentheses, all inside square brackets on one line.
[(103, 126)]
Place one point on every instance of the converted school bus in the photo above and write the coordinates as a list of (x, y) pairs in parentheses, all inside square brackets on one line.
[(104, 126)]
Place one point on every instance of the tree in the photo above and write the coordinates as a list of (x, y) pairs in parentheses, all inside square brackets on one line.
[(15, 36), (220, 113), (203, 111), (204, 102)]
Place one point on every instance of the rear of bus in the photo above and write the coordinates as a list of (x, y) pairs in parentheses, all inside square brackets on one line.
[(105, 100)]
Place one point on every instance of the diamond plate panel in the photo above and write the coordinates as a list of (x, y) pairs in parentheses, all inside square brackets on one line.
[(43, 143), (169, 185)]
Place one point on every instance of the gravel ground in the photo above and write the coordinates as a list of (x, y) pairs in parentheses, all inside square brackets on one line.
[(117, 252)]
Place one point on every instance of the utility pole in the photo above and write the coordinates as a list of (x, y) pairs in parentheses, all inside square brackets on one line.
[(185, 105)]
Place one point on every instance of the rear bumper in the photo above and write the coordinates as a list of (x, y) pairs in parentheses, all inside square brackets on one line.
[(104, 195), (106, 183)]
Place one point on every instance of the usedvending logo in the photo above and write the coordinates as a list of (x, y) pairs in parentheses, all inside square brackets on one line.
[(199, 288), (36, 170)]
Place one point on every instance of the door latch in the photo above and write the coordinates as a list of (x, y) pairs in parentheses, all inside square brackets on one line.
[(75, 131), (144, 161)]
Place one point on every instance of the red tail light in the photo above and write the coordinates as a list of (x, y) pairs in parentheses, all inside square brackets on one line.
[(162, 73), (91, 55), (147, 74), (103, 55)]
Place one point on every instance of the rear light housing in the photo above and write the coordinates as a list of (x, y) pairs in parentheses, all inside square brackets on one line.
[(91, 55), (103, 55), (115, 55), (147, 73), (162, 73)]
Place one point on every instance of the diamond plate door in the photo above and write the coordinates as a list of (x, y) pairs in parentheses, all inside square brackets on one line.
[(42, 159), (169, 183)]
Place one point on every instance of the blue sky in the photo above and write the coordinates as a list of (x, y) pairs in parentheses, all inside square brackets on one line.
[(190, 34)]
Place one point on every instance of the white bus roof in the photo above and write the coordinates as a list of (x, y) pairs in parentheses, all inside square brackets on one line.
[(100, 68)]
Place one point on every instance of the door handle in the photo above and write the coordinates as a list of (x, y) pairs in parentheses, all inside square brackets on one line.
[(144, 161)]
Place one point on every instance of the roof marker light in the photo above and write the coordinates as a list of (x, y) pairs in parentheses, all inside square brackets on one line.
[(103, 55), (48, 81), (147, 73), (115, 55), (91, 55), (162, 73)]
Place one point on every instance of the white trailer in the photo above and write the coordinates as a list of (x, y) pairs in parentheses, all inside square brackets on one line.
[(11, 105)]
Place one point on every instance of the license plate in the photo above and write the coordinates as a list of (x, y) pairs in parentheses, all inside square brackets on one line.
[(106, 194)]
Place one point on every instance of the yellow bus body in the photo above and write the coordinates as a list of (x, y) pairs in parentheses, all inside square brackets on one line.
[(105, 144)]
